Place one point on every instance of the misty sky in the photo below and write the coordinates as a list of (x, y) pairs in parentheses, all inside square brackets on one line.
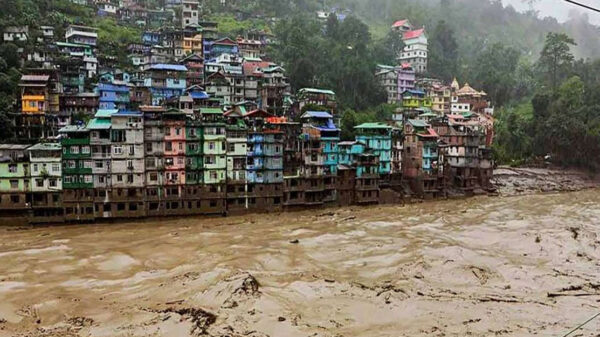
[(558, 8)]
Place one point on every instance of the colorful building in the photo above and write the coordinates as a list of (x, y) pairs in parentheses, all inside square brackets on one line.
[(377, 137), (165, 81), (46, 182), (78, 181)]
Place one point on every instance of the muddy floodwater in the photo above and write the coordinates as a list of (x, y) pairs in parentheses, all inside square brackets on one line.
[(506, 266)]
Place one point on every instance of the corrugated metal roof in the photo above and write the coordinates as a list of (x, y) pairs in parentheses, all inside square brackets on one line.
[(99, 124), (373, 126), (35, 78), (45, 147), (105, 113), (316, 91), (211, 111), (317, 114), (172, 67)]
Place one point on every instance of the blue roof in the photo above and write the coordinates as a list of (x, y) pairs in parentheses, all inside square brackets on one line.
[(127, 113), (199, 95), (317, 114), (414, 92), (173, 67)]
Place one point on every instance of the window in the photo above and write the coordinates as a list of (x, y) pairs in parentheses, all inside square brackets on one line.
[(85, 149), (99, 164), (211, 145), (148, 147), (14, 184), (130, 178), (169, 146), (74, 149), (119, 178), (55, 167), (12, 168), (52, 182), (39, 183), (180, 146), (88, 179), (117, 150), (87, 164), (131, 150)]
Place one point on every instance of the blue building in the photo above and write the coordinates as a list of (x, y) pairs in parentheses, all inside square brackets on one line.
[(165, 81), (377, 137), (113, 95)]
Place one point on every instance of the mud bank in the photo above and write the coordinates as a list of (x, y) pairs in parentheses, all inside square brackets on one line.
[(519, 181), (507, 266)]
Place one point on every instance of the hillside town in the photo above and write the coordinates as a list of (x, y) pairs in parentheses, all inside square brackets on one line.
[(209, 125)]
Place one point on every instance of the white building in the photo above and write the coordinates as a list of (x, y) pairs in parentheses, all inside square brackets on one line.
[(416, 50), (416, 46)]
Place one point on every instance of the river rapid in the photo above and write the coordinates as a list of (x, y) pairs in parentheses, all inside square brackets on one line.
[(506, 266)]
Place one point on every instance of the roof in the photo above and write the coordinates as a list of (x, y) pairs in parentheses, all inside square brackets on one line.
[(317, 114), (225, 41), (373, 126), (467, 90), (73, 128), (418, 123), (430, 133), (199, 95), (258, 113), (413, 34), (215, 111), (106, 113), (99, 124), (125, 113), (316, 91), (45, 147), (172, 67), (399, 23), (13, 146), (414, 92), (35, 78)]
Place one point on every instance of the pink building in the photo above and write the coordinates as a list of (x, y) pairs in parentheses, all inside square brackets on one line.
[(174, 150)]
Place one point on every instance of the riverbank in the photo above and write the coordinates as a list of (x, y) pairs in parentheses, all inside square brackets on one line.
[(518, 181), (482, 266)]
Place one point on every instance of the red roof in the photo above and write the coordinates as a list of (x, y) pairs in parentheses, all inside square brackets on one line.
[(226, 41), (258, 113), (430, 133), (406, 65), (250, 67), (400, 23), (413, 34)]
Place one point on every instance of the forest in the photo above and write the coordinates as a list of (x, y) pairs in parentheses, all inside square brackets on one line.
[(539, 73)]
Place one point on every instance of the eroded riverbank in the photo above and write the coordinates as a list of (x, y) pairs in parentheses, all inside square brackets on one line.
[(480, 267)]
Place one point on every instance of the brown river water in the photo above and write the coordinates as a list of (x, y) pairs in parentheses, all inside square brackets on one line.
[(506, 266)]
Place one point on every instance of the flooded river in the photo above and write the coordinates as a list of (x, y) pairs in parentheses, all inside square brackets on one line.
[(515, 266)]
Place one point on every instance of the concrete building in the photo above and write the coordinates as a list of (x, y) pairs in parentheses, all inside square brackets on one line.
[(46, 182)]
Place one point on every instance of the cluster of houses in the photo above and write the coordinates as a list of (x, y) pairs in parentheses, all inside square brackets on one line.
[(208, 126)]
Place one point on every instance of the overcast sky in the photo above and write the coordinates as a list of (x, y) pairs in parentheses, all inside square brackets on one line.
[(558, 8)]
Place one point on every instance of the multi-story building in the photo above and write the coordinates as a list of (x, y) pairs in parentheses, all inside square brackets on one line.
[(415, 51), (320, 153), (82, 35), (127, 165), (265, 162), (100, 141), (154, 151), (406, 79), (174, 125), (317, 97), (78, 105), (113, 95), (377, 137), (190, 13), (195, 69), (422, 165), (192, 41), (15, 182), (387, 76), (46, 182), (78, 181), (165, 81), (273, 85), (214, 149), (237, 157)]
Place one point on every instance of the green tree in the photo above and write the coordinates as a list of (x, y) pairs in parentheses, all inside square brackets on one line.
[(443, 61), (556, 59)]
